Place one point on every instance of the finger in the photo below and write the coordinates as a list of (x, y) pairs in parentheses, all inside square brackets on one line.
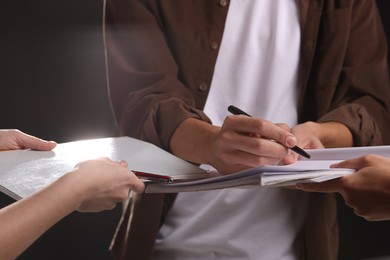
[(357, 163), (259, 147), (280, 134), (238, 159), (291, 140), (262, 128), (136, 184), (123, 163), (31, 142), (290, 157), (283, 126), (325, 187)]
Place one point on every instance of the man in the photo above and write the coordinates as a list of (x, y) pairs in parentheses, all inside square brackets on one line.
[(175, 66)]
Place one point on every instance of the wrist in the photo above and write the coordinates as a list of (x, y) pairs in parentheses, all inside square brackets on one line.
[(192, 140), (72, 189), (331, 134)]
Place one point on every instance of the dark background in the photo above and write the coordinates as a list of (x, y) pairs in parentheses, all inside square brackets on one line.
[(53, 85)]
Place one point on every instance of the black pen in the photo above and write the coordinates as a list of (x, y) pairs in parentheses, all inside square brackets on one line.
[(236, 111)]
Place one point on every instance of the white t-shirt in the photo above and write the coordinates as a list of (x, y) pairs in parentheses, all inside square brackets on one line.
[(256, 70)]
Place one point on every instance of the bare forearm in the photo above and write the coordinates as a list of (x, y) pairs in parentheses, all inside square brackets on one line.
[(26, 220), (191, 140), (332, 134)]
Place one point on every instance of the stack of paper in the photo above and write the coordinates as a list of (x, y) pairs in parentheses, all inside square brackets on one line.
[(315, 169), (266, 176), (24, 172)]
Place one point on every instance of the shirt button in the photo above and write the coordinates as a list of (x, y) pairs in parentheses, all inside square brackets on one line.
[(202, 86), (214, 45), (223, 3)]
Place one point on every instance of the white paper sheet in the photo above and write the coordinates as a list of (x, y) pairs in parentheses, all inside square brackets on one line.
[(23, 172)]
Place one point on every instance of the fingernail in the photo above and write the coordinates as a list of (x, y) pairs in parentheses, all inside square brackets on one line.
[(122, 163), (333, 165), (291, 141), (290, 156)]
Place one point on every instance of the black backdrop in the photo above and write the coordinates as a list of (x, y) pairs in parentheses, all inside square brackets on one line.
[(53, 85)]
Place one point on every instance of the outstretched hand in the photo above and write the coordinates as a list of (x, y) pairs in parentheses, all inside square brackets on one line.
[(367, 190), (101, 183)]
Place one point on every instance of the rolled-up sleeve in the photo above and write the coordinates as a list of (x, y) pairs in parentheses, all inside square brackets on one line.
[(148, 100), (361, 98)]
